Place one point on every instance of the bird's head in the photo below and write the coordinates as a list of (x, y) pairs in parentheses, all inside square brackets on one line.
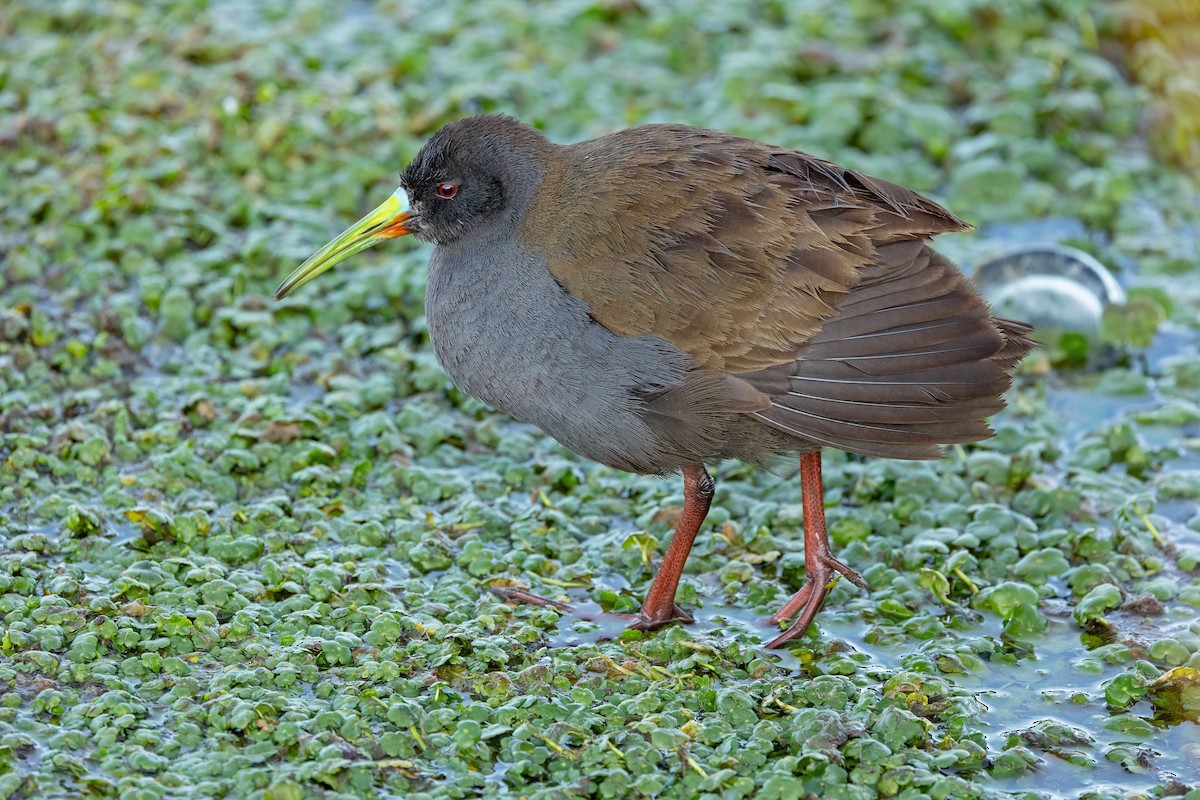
[(474, 176)]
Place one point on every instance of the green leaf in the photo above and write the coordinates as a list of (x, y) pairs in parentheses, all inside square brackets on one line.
[(1124, 690), (937, 585), (1007, 597), (1102, 598), (1039, 566)]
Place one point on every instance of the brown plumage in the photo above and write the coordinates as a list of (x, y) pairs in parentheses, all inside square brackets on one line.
[(667, 295), (810, 282)]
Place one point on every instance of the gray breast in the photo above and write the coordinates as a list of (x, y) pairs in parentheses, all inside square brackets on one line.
[(508, 333)]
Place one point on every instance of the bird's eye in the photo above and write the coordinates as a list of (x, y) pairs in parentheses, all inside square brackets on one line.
[(446, 190)]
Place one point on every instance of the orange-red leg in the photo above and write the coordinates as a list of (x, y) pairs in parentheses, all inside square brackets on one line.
[(659, 607), (820, 566)]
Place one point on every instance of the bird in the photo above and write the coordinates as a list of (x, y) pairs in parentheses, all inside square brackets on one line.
[(666, 296)]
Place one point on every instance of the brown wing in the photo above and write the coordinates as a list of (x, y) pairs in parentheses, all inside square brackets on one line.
[(734, 251), (912, 359)]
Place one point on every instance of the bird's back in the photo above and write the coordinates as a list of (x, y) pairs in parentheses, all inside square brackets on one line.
[(809, 283)]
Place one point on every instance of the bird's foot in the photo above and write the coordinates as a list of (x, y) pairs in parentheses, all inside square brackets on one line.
[(512, 594), (649, 622), (642, 621), (823, 570)]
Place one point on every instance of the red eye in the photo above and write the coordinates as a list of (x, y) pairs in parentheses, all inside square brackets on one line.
[(446, 190)]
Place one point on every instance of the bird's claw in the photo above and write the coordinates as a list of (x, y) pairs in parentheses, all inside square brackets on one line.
[(512, 594), (823, 575), (640, 621), (643, 622)]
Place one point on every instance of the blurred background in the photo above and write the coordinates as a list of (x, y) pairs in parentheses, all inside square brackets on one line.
[(245, 546)]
